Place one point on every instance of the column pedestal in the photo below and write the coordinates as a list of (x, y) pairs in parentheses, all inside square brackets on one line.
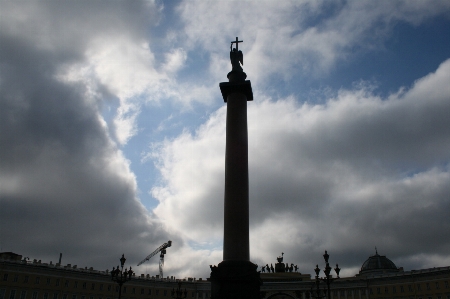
[(235, 279)]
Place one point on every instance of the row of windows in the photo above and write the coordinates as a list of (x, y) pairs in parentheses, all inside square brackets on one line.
[(437, 297), (57, 282), (84, 285), (349, 293), (35, 295), (414, 297), (337, 293), (401, 289)]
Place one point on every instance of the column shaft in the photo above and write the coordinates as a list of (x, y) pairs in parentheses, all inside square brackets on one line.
[(236, 210)]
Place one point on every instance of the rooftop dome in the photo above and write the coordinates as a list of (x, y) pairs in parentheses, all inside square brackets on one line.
[(378, 264)]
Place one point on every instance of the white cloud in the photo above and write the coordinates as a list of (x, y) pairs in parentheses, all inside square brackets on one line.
[(175, 60), (194, 162), (286, 38)]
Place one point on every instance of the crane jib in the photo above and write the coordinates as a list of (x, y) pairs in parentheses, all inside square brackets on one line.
[(160, 248)]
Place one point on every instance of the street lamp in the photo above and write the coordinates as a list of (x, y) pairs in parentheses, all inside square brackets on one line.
[(179, 293), (316, 283), (120, 276), (328, 279)]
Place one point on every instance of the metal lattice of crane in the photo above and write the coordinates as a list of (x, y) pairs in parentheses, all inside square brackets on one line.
[(163, 251)]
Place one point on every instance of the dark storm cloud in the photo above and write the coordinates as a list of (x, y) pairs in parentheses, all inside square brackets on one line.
[(37, 109), (65, 186)]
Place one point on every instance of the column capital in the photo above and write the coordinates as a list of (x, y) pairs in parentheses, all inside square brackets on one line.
[(244, 87)]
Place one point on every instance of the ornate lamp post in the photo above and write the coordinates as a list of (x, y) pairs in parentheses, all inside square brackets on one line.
[(120, 276), (179, 293), (328, 279), (316, 283)]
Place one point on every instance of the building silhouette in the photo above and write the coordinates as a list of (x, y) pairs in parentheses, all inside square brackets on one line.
[(379, 278)]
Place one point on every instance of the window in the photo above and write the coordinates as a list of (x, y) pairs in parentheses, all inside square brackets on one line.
[(437, 285), (402, 290), (64, 296), (74, 296), (92, 297), (48, 281), (394, 290), (418, 287), (165, 292), (446, 284), (23, 294), (76, 285), (66, 284), (149, 291), (428, 287), (55, 295), (57, 282), (93, 286), (410, 288), (38, 279), (386, 290), (35, 295), (84, 285), (124, 290), (193, 294), (2, 293), (5, 277), (25, 280), (133, 291), (83, 297), (378, 290), (45, 295), (12, 294), (109, 288), (142, 291), (16, 278), (157, 292), (370, 291), (101, 287)]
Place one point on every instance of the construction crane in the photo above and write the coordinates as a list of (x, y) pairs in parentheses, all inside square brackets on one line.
[(161, 249)]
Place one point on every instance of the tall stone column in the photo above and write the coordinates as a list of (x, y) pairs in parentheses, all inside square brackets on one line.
[(236, 244), (236, 276)]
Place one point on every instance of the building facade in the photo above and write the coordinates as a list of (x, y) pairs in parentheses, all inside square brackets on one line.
[(379, 278)]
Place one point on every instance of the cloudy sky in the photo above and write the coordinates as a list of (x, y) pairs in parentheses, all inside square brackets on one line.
[(112, 131)]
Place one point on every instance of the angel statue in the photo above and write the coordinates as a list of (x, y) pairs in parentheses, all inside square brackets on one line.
[(236, 56)]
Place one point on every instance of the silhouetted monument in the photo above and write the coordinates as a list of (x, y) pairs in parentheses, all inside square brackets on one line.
[(279, 267), (236, 276)]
